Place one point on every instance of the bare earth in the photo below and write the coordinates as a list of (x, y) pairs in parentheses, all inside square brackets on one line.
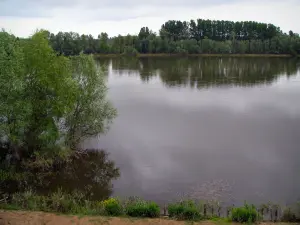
[(41, 218)]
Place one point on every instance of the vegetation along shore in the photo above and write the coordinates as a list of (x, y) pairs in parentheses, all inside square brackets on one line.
[(75, 203), (186, 37)]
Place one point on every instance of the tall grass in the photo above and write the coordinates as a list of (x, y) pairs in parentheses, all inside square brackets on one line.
[(58, 201)]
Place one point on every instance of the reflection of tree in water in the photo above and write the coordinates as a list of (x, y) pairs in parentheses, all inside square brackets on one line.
[(89, 172), (103, 64), (132, 66), (207, 72)]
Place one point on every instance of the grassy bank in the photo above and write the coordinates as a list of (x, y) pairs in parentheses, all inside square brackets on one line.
[(196, 55), (38, 218), (186, 210)]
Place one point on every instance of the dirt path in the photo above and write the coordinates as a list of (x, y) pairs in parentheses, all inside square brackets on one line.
[(40, 218)]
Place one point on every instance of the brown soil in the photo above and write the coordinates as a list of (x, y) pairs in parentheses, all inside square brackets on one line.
[(40, 218)]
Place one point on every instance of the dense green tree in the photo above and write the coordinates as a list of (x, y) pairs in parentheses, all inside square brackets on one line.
[(144, 33), (44, 87), (103, 43), (175, 30), (13, 111)]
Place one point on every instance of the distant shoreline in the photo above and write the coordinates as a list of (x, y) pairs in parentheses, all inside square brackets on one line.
[(196, 55)]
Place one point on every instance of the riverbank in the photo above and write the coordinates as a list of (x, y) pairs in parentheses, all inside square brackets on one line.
[(38, 218), (197, 55)]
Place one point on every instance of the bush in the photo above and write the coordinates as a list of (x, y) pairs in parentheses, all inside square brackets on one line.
[(292, 213), (141, 208), (30, 201), (56, 202), (289, 216), (113, 207), (186, 210), (245, 214), (61, 202)]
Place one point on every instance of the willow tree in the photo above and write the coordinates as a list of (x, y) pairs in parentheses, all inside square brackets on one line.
[(91, 112)]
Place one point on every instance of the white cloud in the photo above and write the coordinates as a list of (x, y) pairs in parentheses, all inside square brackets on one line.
[(129, 16)]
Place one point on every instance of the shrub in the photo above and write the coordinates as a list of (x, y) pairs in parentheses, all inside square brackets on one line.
[(289, 216), (141, 208), (30, 201), (56, 202), (186, 210), (245, 214), (292, 213), (61, 202), (113, 207)]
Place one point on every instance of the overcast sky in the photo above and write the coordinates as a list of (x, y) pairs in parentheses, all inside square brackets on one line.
[(23, 17)]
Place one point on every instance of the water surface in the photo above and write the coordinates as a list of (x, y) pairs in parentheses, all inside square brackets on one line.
[(207, 128)]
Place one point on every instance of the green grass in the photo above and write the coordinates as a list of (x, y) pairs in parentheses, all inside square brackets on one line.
[(220, 221)]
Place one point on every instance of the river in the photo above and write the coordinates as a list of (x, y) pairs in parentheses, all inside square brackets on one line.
[(205, 128)]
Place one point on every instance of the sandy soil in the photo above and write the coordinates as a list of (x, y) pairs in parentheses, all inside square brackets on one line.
[(40, 218)]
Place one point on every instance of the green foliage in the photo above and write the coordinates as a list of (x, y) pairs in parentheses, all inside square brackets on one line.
[(289, 216), (183, 37), (220, 221), (76, 203), (292, 213), (29, 200), (44, 86), (141, 208), (50, 98), (11, 93), (185, 210), (113, 207), (49, 91), (91, 113), (245, 214), (51, 105), (130, 51), (58, 201)]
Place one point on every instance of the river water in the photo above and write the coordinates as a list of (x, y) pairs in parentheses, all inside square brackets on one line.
[(205, 128)]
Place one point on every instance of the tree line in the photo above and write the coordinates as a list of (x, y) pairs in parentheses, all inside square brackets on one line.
[(183, 37)]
